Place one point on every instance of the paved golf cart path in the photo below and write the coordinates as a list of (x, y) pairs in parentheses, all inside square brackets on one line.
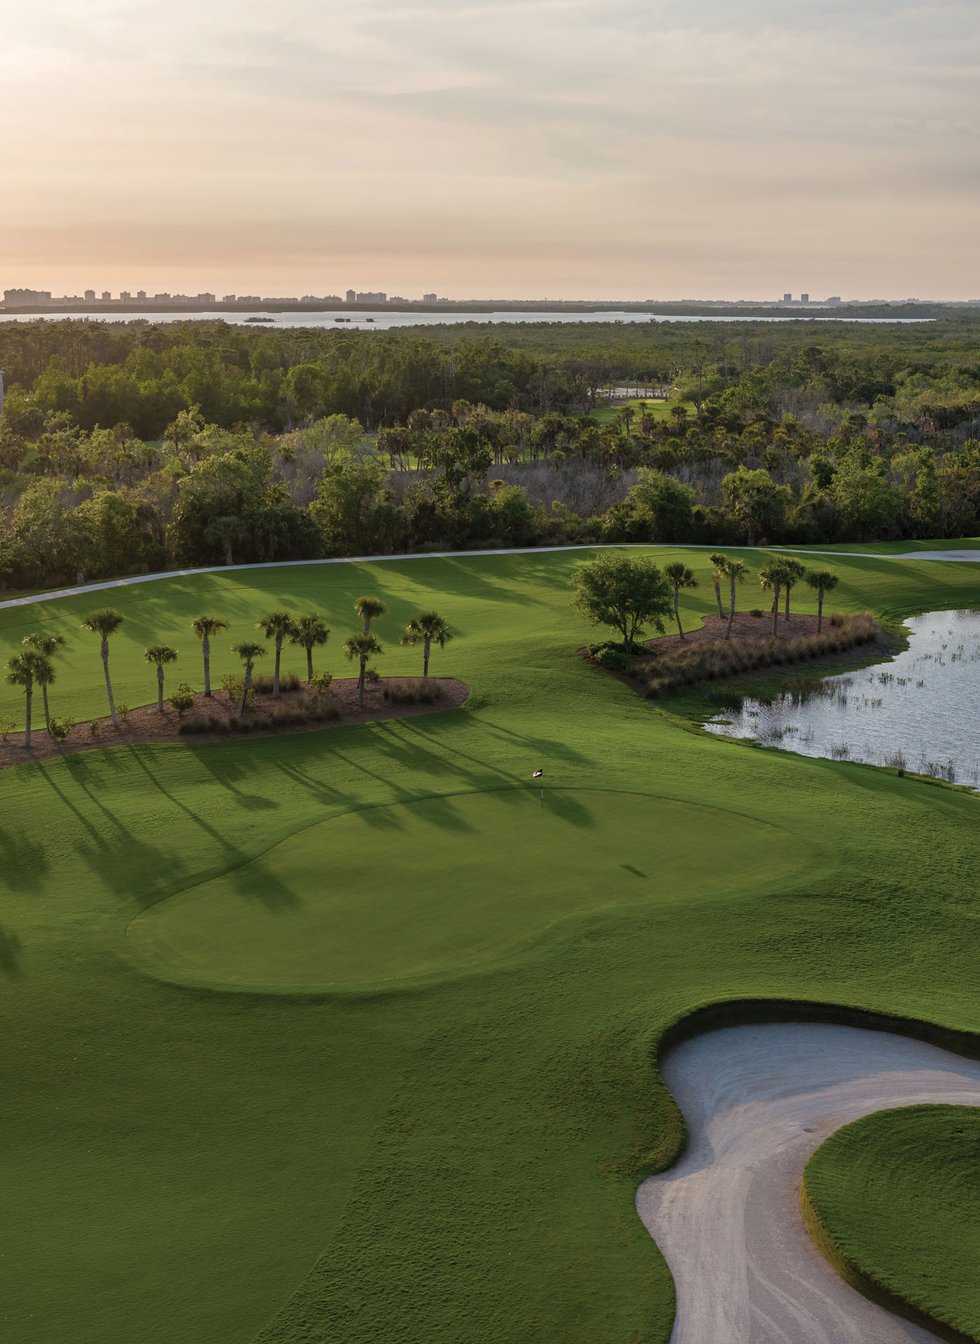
[(758, 1100), (109, 584)]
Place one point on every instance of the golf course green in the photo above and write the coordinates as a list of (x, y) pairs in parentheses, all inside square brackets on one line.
[(897, 1197), (344, 1035)]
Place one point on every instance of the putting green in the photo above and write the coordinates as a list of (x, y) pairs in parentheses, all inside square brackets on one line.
[(433, 887)]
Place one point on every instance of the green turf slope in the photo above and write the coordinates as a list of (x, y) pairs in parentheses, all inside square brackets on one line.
[(896, 1200), (446, 1151)]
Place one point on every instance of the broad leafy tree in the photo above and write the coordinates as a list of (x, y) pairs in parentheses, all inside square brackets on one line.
[(160, 655), (206, 627), (625, 592), (822, 581), (277, 626), (104, 623), (49, 646), (679, 576), (248, 653), (309, 632), (427, 629), (362, 648)]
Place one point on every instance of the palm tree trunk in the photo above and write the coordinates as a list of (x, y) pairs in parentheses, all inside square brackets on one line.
[(160, 687), (27, 724), (788, 587), (206, 650), (819, 609), (108, 684), (426, 650), (47, 715), (718, 596), (677, 612), (246, 687), (731, 612), (275, 675), (309, 665), (775, 609), (360, 681)]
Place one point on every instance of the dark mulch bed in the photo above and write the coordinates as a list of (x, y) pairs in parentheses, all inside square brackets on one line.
[(148, 725)]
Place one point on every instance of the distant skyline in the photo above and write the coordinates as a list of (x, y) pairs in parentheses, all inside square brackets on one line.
[(562, 149)]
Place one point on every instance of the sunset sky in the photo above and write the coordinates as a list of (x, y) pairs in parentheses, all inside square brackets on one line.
[(560, 148)]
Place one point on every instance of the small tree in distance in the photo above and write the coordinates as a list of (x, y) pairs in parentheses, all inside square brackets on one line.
[(49, 646), (427, 629), (104, 623), (736, 570), (369, 609), (679, 576), (309, 632), (362, 647), (624, 592), (276, 626), (204, 627), (821, 581), (24, 669), (248, 654), (160, 654)]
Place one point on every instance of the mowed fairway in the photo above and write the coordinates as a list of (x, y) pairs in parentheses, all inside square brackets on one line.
[(415, 1104)]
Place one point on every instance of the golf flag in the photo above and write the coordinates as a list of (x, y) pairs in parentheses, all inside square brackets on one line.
[(537, 774)]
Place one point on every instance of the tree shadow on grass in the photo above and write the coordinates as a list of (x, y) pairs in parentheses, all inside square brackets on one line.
[(23, 863), (255, 882), (10, 954)]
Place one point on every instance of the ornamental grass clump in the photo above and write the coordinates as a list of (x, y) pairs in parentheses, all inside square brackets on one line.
[(687, 665)]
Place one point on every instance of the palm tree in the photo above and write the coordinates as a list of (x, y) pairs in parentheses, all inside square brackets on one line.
[(205, 627), (772, 577), (105, 622), (720, 562), (362, 647), (277, 625), (248, 654), (309, 632), (369, 609), (24, 669), (821, 581), (794, 572), (49, 646), (736, 571), (427, 629), (679, 576), (160, 654)]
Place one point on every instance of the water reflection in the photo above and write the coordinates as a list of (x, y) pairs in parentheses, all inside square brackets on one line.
[(917, 712)]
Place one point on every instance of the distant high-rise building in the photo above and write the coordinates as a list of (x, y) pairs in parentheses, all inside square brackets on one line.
[(787, 298), (27, 298), (430, 298), (229, 298), (141, 296), (371, 296), (205, 298), (834, 298), (351, 297), (804, 298), (106, 296), (90, 296), (125, 296)]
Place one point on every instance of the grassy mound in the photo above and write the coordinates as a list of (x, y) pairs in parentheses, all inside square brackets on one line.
[(452, 1161), (292, 921), (894, 1199)]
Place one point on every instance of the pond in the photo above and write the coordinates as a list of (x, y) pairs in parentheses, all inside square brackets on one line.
[(918, 712)]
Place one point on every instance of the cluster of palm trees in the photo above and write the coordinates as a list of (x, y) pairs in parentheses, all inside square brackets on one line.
[(34, 665), (778, 576)]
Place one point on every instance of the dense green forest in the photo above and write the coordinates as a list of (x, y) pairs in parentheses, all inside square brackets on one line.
[(125, 448)]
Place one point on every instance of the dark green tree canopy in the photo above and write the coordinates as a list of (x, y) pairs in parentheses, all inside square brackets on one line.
[(625, 592)]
